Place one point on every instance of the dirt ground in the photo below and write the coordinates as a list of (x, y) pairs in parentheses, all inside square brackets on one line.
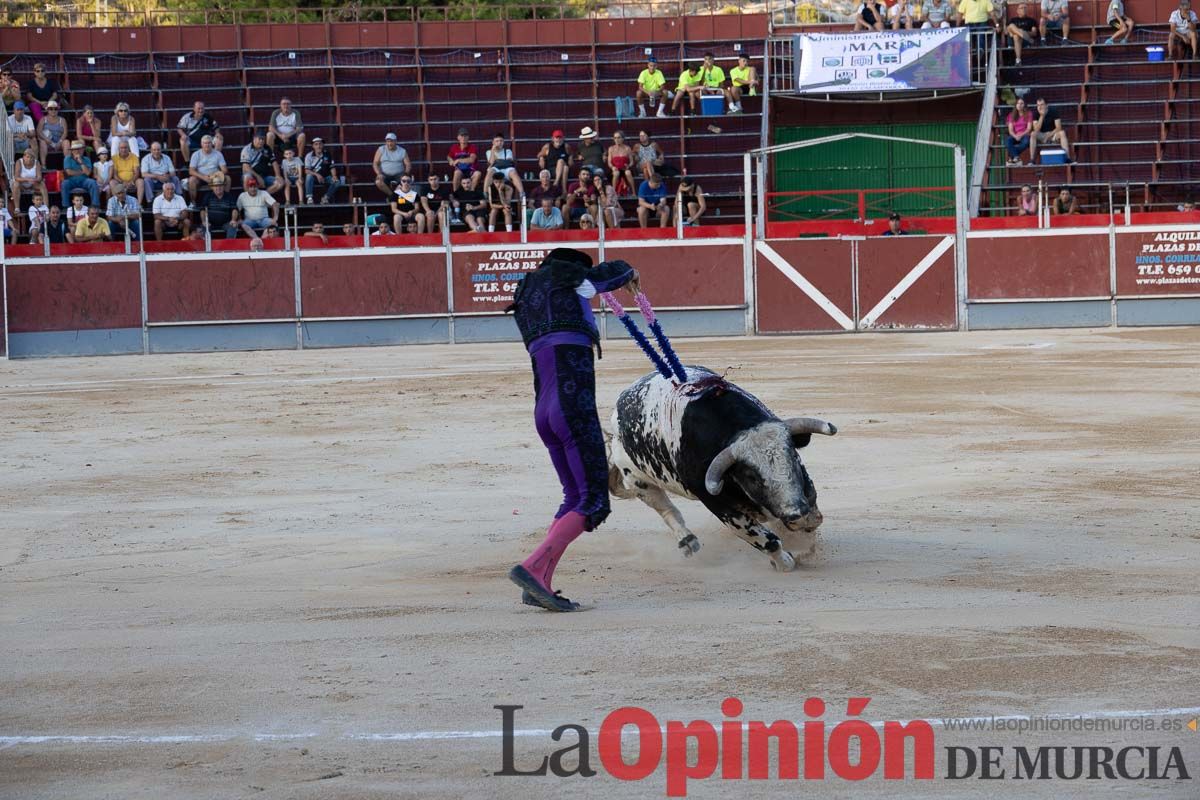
[(295, 561)]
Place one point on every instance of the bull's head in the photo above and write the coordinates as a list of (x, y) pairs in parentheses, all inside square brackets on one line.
[(764, 463)]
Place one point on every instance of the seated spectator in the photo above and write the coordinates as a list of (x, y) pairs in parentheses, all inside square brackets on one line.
[(77, 210), (902, 16), (545, 187), (869, 16), (652, 199), (270, 232), (649, 155), (547, 217), (317, 231), (292, 170), (1020, 126), (435, 203), (54, 228), (158, 169), (608, 203), (285, 128), (123, 128), (1065, 203), (712, 77), (193, 127), (502, 164), (350, 229), (203, 165), (102, 170), (127, 171), (743, 79), (8, 229), (938, 14), (1027, 202), (651, 82), (257, 208), (22, 130), (590, 154), (406, 208), (1021, 28), (92, 228), (555, 157), (170, 213), (40, 91), (620, 159), (463, 157), (38, 213), (320, 169), (1119, 21), (894, 228), (77, 174), (587, 223), (1187, 206), (29, 178), (500, 198), (980, 14), (10, 89), (258, 161), (582, 197), (124, 213), (220, 210), (469, 203), (1047, 128), (1183, 24), (1055, 17), (390, 164), (690, 87), (689, 199), (52, 134), (87, 130), (382, 230)]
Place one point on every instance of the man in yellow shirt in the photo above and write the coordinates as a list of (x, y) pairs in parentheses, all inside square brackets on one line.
[(977, 13), (650, 87), (127, 171), (91, 228), (743, 78), (690, 86)]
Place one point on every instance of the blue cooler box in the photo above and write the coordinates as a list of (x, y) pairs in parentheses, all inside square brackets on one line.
[(1053, 155), (712, 105)]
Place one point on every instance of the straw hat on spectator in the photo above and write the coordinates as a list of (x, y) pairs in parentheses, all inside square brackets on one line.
[(587, 133), (77, 144)]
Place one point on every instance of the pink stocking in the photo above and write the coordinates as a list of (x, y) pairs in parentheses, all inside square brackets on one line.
[(544, 559)]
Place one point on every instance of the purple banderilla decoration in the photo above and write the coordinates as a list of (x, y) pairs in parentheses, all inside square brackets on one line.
[(670, 368)]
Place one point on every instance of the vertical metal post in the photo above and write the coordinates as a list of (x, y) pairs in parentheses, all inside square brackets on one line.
[(1112, 257), (4, 299), (299, 299), (748, 248), (524, 218), (762, 196), (207, 231), (449, 284), (679, 212), (961, 223), (145, 303), (1128, 209)]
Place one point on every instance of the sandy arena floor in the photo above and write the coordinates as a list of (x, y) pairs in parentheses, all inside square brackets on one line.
[(278, 555)]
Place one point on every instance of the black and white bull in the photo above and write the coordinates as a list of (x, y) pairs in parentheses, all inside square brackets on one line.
[(710, 440)]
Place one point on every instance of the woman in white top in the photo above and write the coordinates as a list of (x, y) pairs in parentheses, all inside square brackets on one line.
[(29, 177), (123, 129)]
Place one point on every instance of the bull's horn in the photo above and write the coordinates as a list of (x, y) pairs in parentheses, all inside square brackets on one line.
[(799, 425), (714, 479)]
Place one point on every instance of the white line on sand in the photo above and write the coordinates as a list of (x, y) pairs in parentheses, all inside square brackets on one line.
[(415, 736)]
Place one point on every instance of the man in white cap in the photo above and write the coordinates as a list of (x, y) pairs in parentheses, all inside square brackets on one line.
[(390, 164), (590, 153)]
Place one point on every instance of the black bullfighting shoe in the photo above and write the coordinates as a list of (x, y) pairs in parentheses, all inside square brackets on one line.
[(537, 595)]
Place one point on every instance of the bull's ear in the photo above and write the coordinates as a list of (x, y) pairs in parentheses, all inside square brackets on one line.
[(800, 440)]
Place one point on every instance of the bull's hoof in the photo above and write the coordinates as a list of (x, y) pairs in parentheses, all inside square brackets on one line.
[(782, 561), (690, 545)]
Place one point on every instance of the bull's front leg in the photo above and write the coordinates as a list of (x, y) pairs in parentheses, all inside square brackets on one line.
[(763, 538), (656, 498)]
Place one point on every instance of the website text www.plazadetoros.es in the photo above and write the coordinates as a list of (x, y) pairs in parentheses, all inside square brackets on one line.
[(632, 744)]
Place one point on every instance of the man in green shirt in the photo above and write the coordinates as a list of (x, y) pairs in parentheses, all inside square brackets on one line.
[(690, 86), (743, 78), (650, 87)]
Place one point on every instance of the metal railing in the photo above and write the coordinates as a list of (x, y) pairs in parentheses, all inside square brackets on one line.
[(983, 136)]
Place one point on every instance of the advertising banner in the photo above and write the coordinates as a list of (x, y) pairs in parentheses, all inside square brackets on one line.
[(883, 62), (1163, 262)]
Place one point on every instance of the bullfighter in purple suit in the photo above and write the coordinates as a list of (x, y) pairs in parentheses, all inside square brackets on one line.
[(553, 311)]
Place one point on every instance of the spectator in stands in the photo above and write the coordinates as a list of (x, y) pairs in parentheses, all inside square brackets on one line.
[(124, 212), (555, 156), (591, 153), (502, 164), (10, 89), (979, 14), (350, 229), (77, 210), (92, 228), (8, 229), (39, 91), (319, 168), (547, 217), (77, 174), (901, 16), (158, 169), (285, 128), (620, 160), (52, 133), (29, 178), (406, 208), (102, 170), (1187, 206), (608, 203), (38, 212), (220, 210), (1020, 127), (1055, 16), (469, 204), (1119, 21), (272, 232), (1183, 24), (258, 209), (649, 155), (435, 203), (690, 87), (54, 228), (170, 213), (652, 199), (743, 79), (126, 171), (382, 230), (651, 82), (464, 157), (587, 223), (87, 130), (869, 16), (1047, 128), (689, 199), (204, 164), (582, 194), (193, 127), (712, 77), (22, 130), (938, 14), (1065, 203), (317, 231), (390, 164), (1021, 28), (499, 197), (258, 161), (123, 128), (1027, 202), (545, 187), (894, 228), (292, 170)]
